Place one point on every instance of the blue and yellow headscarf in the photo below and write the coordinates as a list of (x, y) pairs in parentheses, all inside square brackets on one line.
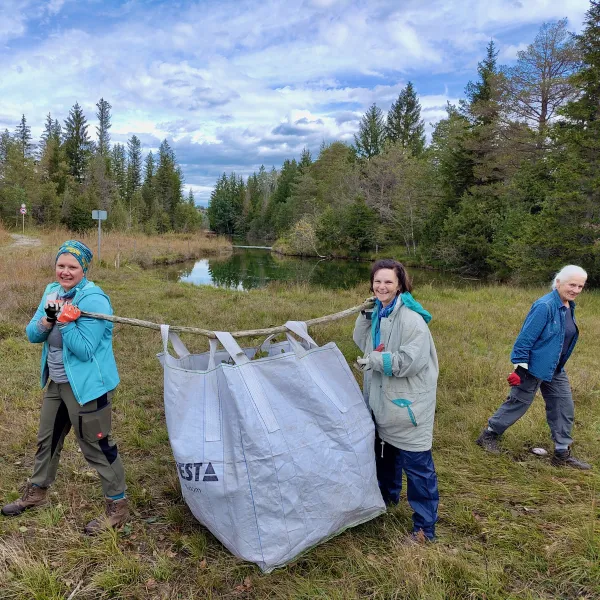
[(80, 251), (84, 257)]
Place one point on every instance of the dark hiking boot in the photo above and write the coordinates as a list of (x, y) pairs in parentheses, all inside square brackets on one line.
[(32, 497), (563, 458), (117, 513), (488, 440)]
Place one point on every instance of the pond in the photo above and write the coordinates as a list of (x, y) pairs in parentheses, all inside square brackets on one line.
[(246, 269)]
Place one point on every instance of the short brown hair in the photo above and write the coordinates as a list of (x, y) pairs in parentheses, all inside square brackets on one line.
[(398, 268)]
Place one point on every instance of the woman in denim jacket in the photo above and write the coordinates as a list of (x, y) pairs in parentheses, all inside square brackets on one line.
[(541, 350)]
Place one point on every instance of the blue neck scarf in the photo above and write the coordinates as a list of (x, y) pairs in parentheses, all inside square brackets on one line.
[(70, 294), (381, 312)]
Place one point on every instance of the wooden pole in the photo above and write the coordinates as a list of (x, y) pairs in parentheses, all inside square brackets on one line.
[(367, 304)]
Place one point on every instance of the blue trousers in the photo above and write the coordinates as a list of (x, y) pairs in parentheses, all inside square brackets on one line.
[(421, 483)]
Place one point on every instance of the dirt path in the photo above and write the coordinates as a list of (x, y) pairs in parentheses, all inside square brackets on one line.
[(24, 240)]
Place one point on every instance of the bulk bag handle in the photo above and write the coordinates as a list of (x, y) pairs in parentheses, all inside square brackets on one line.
[(176, 342), (301, 330), (212, 416), (255, 390)]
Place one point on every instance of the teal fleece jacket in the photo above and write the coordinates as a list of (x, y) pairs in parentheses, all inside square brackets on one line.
[(87, 344)]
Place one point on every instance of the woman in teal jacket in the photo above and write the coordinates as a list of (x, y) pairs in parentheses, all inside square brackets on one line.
[(79, 367)]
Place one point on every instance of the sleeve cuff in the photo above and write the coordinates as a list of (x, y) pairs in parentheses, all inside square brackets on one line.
[(386, 358), (42, 328)]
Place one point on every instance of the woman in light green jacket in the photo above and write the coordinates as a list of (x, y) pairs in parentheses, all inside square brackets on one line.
[(401, 371)]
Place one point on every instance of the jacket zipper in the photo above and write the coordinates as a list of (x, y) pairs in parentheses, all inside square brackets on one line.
[(98, 368), (69, 375)]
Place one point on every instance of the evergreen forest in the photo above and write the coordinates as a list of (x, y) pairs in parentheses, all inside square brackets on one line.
[(66, 175), (508, 186)]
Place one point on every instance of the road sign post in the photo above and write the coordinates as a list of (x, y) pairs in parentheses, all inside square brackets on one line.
[(99, 215), (23, 211)]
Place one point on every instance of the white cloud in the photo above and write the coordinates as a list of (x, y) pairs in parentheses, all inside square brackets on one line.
[(237, 83), (509, 53)]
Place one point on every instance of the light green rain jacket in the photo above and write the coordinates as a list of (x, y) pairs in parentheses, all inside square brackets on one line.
[(400, 388)]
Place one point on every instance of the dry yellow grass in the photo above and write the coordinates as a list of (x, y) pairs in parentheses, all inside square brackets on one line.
[(25, 269)]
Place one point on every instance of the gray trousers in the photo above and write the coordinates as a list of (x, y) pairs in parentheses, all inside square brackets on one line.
[(559, 406), (92, 425)]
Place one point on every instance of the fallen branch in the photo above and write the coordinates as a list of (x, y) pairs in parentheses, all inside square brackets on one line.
[(236, 334)]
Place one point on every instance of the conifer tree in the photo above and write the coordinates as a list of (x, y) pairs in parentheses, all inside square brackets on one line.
[(370, 138), (305, 160), (47, 133), (57, 131), (5, 140), (23, 138), (224, 206), (104, 124), (118, 170), (77, 142), (134, 166), (404, 123), (168, 184), (479, 104), (149, 201), (149, 168)]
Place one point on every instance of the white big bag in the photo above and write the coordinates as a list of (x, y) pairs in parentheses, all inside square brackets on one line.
[(275, 454)]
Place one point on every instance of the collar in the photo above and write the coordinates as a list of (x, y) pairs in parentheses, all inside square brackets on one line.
[(559, 302)]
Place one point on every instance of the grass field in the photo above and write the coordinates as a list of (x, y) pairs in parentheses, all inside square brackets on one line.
[(511, 526)]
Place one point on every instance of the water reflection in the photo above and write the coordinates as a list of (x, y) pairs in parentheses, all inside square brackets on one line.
[(246, 269)]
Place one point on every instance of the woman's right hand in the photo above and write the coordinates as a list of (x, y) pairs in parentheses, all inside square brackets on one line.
[(52, 309)]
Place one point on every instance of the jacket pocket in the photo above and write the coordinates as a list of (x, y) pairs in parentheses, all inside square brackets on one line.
[(526, 390), (401, 412), (95, 425)]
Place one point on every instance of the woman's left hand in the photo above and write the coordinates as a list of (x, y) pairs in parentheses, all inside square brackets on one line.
[(68, 314)]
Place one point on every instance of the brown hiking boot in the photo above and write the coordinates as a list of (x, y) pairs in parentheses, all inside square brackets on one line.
[(488, 440), (32, 497), (418, 538), (563, 458), (117, 513)]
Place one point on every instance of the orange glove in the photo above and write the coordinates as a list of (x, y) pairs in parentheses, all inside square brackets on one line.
[(68, 314)]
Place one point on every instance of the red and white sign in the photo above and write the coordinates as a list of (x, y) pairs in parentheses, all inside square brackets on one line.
[(23, 210)]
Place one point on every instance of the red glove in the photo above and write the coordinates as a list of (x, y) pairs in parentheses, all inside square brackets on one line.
[(513, 378), (380, 348), (68, 314)]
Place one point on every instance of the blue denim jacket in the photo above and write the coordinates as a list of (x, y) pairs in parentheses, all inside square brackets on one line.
[(539, 344)]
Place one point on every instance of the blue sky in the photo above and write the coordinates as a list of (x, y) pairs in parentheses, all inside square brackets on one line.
[(236, 84)]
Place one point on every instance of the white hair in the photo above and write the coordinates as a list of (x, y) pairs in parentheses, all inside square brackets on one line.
[(567, 272)]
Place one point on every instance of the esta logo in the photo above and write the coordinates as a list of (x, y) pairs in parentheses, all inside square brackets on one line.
[(191, 472)]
